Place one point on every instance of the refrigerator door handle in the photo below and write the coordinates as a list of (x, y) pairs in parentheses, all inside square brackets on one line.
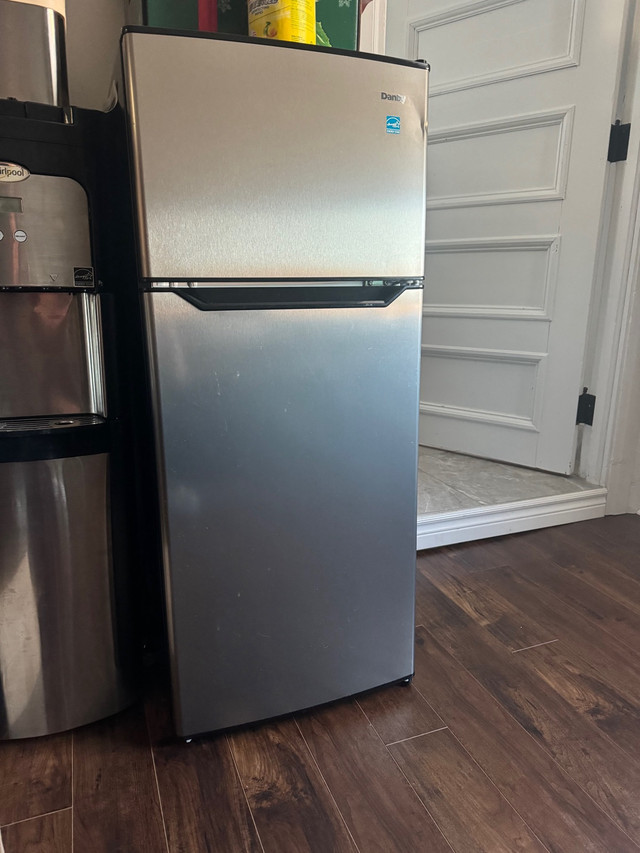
[(278, 298)]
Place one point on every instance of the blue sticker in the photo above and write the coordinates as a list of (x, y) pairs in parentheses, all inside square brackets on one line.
[(393, 124)]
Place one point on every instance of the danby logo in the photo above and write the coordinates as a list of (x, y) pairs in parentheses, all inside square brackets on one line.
[(385, 96), (10, 172)]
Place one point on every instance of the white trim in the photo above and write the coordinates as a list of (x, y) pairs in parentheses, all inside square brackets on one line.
[(556, 192), (373, 27), (447, 528), (538, 242), (566, 60), (610, 448), (484, 312), (479, 415), (477, 354)]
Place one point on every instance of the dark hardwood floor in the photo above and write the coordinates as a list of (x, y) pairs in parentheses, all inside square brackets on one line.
[(520, 732)]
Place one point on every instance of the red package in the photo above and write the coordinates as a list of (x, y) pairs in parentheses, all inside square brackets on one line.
[(208, 15)]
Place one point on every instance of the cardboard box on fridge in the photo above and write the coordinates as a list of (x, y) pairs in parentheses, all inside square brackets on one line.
[(233, 17), (336, 21), (174, 14)]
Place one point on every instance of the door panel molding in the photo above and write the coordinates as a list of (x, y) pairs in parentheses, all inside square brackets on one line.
[(477, 354), (570, 58), (548, 244), (478, 415), (555, 190), (484, 312), (529, 404)]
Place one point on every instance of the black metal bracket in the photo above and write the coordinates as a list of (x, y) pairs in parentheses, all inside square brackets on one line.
[(618, 142), (586, 408)]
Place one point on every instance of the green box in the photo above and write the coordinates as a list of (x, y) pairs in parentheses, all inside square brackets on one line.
[(174, 14), (338, 21), (233, 17)]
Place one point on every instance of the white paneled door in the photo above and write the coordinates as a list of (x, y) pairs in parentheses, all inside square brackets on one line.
[(522, 99)]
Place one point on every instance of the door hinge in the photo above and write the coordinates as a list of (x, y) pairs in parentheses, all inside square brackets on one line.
[(586, 408), (618, 142)]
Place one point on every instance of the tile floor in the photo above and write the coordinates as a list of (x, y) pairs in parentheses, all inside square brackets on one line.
[(451, 481)]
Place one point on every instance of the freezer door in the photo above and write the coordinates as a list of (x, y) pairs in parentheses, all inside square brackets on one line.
[(287, 443), (264, 160)]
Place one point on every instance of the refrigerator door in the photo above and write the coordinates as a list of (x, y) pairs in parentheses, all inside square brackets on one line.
[(287, 443), (50, 354), (282, 162)]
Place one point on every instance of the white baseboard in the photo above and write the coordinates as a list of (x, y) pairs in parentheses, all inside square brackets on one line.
[(466, 525)]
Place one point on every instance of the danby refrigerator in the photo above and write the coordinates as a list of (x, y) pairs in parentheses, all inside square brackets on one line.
[(280, 203)]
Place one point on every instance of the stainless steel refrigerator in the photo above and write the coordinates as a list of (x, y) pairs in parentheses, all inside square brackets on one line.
[(280, 199)]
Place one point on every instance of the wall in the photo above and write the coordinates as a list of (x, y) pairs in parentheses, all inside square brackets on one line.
[(93, 30), (623, 462), (56, 5)]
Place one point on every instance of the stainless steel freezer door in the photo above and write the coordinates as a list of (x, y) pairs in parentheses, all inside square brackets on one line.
[(288, 444), (262, 160)]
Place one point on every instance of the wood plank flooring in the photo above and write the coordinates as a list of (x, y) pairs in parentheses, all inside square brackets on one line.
[(519, 734)]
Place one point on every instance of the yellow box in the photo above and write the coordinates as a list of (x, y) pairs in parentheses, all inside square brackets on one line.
[(285, 20)]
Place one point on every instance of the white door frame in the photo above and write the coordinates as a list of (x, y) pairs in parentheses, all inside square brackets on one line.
[(610, 447), (373, 27)]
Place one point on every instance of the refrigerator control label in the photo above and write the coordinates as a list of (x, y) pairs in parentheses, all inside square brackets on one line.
[(393, 124), (83, 276)]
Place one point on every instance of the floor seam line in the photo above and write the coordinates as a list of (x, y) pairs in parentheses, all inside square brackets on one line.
[(500, 794), (155, 774), (244, 793), (35, 817), (313, 758), (535, 646), (624, 645), (405, 777), (545, 749), (413, 737)]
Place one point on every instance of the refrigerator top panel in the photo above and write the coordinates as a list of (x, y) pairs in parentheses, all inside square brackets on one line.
[(264, 160), (44, 231)]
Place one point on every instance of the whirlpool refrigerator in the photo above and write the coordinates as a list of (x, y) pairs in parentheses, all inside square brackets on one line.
[(280, 201)]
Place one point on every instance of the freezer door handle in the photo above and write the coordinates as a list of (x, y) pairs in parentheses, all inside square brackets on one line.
[(278, 298)]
